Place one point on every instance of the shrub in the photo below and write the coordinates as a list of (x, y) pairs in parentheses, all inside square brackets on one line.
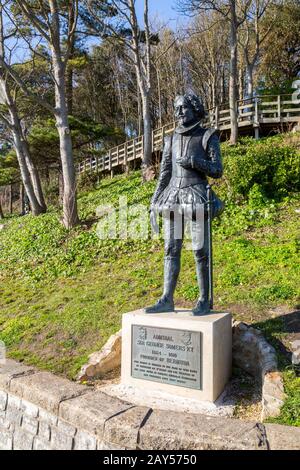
[(87, 180), (267, 168)]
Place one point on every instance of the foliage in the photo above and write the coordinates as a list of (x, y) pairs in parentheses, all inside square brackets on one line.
[(9, 172), (269, 167), (290, 411), (86, 135), (280, 59), (87, 180)]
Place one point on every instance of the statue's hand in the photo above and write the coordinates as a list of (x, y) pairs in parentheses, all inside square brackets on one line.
[(185, 162), (153, 220)]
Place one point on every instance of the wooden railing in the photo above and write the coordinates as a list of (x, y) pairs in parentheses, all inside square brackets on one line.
[(254, 113)]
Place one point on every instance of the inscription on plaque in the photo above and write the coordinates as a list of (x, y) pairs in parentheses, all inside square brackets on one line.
[(167, 356)]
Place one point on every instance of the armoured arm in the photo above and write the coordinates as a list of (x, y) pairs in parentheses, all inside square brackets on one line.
[(165, 170), (213, 165)]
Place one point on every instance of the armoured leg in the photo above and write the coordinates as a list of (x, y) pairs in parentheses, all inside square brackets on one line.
[(202, 305), (200, 246), (173, 247)]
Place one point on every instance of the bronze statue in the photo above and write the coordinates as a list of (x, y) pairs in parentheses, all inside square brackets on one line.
[(182, 194)]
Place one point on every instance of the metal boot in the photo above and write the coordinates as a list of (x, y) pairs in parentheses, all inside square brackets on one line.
[(202, 307), (166, 302)]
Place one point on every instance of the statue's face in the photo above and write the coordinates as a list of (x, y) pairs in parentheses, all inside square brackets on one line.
[(184, 111)]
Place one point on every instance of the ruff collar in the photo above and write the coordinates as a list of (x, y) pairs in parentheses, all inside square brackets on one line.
[(186, 129)]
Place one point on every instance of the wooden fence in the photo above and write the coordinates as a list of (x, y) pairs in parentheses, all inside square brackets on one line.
[(252, 113)]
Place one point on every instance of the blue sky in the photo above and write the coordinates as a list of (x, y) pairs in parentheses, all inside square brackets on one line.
[(165, 10)]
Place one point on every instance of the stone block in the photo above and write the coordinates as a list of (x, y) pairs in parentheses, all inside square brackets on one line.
[(124, 429), (90, 411), (44, 431), (13, 402), (282, 437), (109, 358), (3, 400), (273, 395), (29, 409), (30, 425), (10, 370), (176, 431), (60, 441), (251, 352), (39, 444), (22, 440), (103, 445), (66, 428), (6, 440), (14, 417), (46, 390), (273, 385), (13, 411), (4, 423), (47, 417), (192, 354), (85, 441)]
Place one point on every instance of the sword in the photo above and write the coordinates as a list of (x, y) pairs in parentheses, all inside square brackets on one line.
[(210, 248)]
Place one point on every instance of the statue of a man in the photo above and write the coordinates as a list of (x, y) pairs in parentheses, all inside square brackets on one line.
[(190, 155)]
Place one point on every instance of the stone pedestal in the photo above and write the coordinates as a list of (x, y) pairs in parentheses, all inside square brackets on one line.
[(177, 353)]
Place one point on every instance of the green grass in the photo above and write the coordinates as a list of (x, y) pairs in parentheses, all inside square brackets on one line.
[(63, 293)]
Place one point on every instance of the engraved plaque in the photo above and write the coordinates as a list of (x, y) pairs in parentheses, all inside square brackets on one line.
[(167, 356)]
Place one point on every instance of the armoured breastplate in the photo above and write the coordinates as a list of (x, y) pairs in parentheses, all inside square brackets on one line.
[(187, 145)]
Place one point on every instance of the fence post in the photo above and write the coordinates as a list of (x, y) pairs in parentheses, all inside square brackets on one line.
[(217, 117), (279, 107), (134, 149), (256, 120), (110, 165), (126, 156)]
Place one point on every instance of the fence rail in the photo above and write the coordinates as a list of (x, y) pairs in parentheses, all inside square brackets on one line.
[(252, 113)]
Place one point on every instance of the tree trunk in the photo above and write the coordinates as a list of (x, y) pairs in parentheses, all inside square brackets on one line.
[(249, 81), (69, 71), (69, 88), (22, 152), (10, 199), (60, 188), (70, 214), (140, 117), (22, 199), (18, 144), (159, 98), (241, 84), (35, 177), (148, 171), (233, 75), (1, 211)]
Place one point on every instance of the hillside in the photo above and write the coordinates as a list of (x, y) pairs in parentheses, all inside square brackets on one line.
[(63, 293)]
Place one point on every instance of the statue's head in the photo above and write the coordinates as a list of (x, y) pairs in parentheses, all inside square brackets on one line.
[(188, 109)]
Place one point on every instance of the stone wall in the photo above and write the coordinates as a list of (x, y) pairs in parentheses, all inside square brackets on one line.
[(252, 353), (43, 412)]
